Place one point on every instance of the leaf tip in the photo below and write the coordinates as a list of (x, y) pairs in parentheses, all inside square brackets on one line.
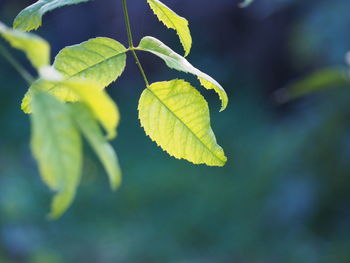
[(224, 161), (115, 185), (115, 180), (111, 134), (60, 203), (223, 106)]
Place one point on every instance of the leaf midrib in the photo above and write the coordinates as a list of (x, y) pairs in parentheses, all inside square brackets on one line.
[(95, 65), (52, 134), (188, 128)]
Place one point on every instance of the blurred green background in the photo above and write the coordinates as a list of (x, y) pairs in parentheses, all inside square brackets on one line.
[(284, 195)]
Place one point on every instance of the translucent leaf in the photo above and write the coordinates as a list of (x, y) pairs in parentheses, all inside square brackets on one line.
[(98, 142), (175, 61), (99, 60), (102, 106), (56, 145), (30, 18), (45, 85), (171, 20), (36, 49), (176, 117), (61, 202)]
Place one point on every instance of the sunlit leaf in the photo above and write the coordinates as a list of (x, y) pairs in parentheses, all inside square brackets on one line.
[(175, 61), (92, 132), (36, 49), (176, 117), (171, 20), (30, 18), (101, 105), (99, 60), (56, 145), (61, 202)]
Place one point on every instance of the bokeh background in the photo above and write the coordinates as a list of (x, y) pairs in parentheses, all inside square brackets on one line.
[(284, 195)]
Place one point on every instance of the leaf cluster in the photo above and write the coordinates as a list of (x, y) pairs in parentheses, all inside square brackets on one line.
[(68, 100)]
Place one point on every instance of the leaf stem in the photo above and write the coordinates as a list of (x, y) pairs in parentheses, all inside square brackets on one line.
[(16, 65), (131, 43)]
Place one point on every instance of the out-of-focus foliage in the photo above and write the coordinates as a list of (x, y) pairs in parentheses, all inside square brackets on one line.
[(36, 48), (57, 147), (100, 103), (55, 140), (283, 197), (93, 134), (246, 3), (313, 37), (317, 81)]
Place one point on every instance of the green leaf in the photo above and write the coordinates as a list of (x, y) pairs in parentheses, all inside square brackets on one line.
[(175, 61), (317, 81), (92, 132), (101, 105), (171, 20), (99, 60), (36, 49), (56, 145), (61, 202), (30, 18), (176, 116)]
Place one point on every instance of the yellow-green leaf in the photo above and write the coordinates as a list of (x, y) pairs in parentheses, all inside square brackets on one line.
[(176, 116), (92, 132), (36, 49), (102, 106), (172, 20), (30, 18), (51, 87), (99, 60), (61, 202), (56, 145), (212, 84), (175, 61)]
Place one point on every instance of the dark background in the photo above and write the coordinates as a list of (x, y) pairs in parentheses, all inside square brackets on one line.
[(284, 195)]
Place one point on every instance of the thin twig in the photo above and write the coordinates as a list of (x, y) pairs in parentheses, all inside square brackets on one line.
[(17, 66), (131, 43)]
